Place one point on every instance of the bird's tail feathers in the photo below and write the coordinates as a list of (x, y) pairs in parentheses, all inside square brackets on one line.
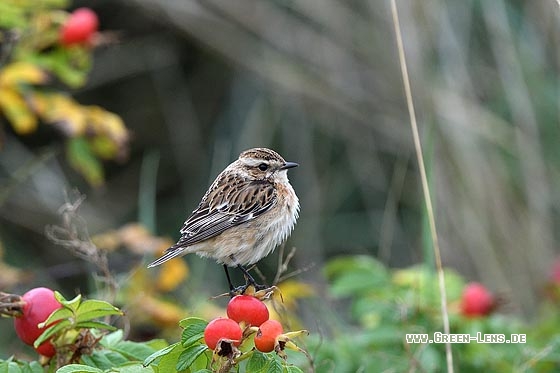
[(173, 252)]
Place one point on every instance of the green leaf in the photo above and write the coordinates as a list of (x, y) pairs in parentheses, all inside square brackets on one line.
[(104, 359), (112, 339), (96, 314), (194, 331), (168, 362), (13, 367), (133, 368), (81, 158), (95, 324), (188, 356), (78, 368), (292, 369), (185, 323), (34, 367), (72, 304), (156, 355), (258, 363), (50, 331), (57, 315), (275, 366), (91, 306), (133, 350)]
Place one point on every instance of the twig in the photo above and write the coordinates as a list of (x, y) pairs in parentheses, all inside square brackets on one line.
[(73, 235), (424, 178)]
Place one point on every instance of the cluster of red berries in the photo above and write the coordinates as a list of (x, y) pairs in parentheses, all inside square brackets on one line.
[(249, 312), (79, 28)]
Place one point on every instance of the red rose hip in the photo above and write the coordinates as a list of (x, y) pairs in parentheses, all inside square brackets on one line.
[(477, 300), (39, 304), (222, 328), (79, 27), (248, 309), (265, 339)]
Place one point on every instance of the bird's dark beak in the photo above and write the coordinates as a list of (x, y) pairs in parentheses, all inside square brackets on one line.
[(289, 165)]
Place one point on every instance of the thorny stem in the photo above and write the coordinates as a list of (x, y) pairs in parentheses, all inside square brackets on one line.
[(73, 235)]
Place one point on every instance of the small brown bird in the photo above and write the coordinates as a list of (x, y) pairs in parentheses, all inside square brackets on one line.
[(246, 213)]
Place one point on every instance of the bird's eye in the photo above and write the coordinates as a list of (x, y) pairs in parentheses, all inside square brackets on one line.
[(263, 167)]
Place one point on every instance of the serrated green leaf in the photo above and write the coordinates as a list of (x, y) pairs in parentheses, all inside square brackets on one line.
[(132, 368), (72, 303), (275, 366), (111, 339), (50, 331), (203, 371), (201, 362), (95, 324), (13, 367), (35, 367), (168, 362), (95, 305), (78, 368), (104, 359), (156, 355), (193, 331), (292, 369), (189, 355), (185, 323), (96, 314), (258, 362), (57, 315), (133, 350)]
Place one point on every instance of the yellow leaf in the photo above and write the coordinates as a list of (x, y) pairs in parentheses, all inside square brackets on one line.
[(291, 290), (103, 122), (172, 273), (138, 239), (163, 313), (104, 147), (17, 112), (22, 72), (61, 111)]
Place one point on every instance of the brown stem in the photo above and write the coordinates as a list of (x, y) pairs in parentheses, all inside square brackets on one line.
[(11, 305)]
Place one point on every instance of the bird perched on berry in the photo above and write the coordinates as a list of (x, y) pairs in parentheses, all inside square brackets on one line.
[(246, 213)]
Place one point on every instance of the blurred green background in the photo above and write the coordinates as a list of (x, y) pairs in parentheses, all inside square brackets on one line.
[(197, 82)]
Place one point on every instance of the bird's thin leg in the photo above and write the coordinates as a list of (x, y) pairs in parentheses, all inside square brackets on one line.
[(249, 279), (231, 288)]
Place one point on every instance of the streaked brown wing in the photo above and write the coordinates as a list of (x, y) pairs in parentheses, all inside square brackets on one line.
[(225, 206)]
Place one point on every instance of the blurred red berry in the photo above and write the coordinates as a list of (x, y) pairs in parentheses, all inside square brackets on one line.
[(477, 300), (79, 27), (39, 304), (248, 309), (265, 339), (221, 328), (555, 272)]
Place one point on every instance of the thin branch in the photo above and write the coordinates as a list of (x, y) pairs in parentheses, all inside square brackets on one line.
[(74, 236)]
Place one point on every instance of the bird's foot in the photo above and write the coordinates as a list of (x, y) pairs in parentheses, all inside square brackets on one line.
[(249, 289)]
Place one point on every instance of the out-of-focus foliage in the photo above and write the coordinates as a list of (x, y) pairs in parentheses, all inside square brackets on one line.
[(31, 58), (386, 305)]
